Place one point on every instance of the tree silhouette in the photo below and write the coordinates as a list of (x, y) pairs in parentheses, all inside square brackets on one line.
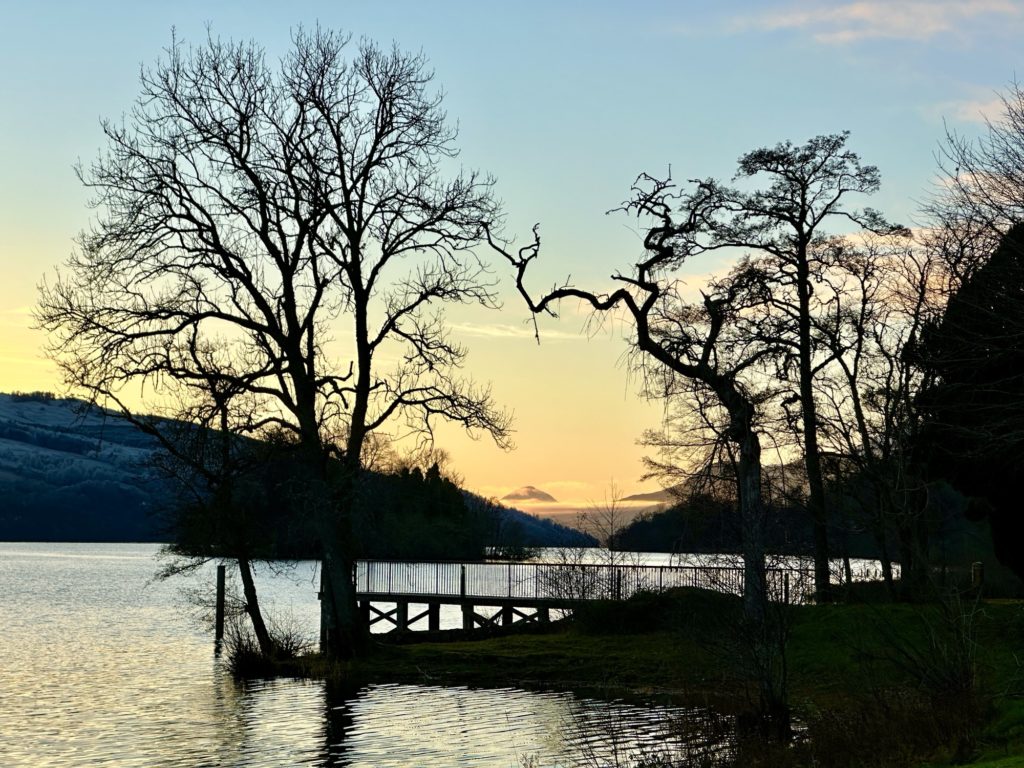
[(974, 431), (782, 222), (283, 230), (680, 342)]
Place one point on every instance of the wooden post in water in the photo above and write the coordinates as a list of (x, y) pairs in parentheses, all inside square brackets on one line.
[(219, 616), (325, 620)]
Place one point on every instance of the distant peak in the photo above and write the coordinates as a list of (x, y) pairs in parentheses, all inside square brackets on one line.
[(664, 495), (528, 493)]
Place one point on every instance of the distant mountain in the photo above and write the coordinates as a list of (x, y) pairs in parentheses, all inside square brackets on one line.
[(528, 493), (665, 495), (74, 472)]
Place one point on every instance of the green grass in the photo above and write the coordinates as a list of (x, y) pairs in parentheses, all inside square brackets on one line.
[(843, 661)]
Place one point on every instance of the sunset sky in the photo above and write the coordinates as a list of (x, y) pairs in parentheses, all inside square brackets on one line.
[(565, 103)]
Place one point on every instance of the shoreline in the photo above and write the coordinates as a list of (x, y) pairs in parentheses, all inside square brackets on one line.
[(843, 672)]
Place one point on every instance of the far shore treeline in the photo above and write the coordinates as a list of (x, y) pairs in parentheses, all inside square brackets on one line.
[(72, 472)]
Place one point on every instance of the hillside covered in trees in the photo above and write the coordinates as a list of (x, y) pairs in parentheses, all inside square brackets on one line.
[(73, 472)]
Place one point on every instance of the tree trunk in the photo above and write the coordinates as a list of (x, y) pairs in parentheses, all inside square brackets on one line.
[(913, 561), (882, 540), (847, 570), (344, 636), (252, 607), (752, 517), (341, 632), (809, 417), (890, 587)]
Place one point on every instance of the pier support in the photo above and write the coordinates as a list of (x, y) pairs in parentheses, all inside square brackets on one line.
[(219, 617)]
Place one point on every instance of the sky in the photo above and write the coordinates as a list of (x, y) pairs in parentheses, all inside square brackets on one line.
[(564, 103)]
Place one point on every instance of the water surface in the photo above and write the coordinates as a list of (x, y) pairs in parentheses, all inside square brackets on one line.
[(100, 665)]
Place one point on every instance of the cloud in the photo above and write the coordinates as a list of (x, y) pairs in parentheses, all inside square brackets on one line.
[(16, 317), (506, 331), (22, 361), (977, 110), (850, 22)]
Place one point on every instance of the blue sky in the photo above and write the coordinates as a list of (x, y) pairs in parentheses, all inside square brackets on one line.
[(564, 103)]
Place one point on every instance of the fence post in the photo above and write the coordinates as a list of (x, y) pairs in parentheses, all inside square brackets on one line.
[(785, 588), (977, 574), (467, 609), (219, 624)]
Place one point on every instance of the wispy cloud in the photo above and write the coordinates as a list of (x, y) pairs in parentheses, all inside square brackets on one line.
[(23, 361), (506, 331), (849, 22), (16, 317), (977, 110)]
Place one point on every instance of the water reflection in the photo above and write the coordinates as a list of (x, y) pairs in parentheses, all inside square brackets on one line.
[(101, 667)]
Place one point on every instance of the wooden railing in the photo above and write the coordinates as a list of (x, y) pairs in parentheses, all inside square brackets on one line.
[(562, 582)]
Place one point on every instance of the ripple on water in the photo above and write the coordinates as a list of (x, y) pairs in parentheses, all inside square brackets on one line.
[(101, 667)]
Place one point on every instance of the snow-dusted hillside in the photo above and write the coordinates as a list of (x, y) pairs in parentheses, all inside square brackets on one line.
[(70, 472)]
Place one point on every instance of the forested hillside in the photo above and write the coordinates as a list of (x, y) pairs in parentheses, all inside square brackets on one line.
[(74, 472)]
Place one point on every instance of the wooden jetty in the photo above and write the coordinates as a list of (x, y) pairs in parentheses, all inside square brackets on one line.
[(507, 593)]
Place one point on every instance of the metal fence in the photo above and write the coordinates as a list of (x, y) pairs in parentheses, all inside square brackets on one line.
[(564, 582)]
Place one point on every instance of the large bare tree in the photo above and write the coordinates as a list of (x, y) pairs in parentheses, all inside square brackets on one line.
[(806, 187), (302, 219), (679, 342)]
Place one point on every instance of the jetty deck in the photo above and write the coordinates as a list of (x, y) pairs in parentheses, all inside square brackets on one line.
[(507, 593)]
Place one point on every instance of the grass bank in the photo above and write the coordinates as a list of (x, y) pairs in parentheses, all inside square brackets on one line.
[(885, 684)]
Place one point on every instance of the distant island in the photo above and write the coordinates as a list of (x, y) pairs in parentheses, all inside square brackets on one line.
[(529, 493)]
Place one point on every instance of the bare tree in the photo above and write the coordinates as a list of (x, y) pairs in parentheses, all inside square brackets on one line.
[(807, 187), (297, 218), (679, 340), (873, 300), (211, 467), (982, 186)]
